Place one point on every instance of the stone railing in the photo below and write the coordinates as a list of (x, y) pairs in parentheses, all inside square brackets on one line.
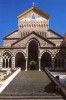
[(59, 86), (9, 79)]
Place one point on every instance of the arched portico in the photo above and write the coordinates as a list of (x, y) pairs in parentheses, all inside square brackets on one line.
[(46, 60), (20, 60)]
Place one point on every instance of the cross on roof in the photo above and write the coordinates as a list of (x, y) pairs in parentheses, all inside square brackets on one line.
[(33, 4)]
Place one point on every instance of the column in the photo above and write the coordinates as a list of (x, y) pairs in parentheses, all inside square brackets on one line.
[(1, 62), (8, 62), (53, 62), (61, 63), (40, 64), (13, 63), (57, 62), (26, 64), (5, 62)]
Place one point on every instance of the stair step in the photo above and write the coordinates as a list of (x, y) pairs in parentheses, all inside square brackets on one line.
[(31, 97), (31, 85)]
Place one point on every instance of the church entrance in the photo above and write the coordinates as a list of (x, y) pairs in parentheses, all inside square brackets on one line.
[(20, 60), (33, 55), (45, 60)]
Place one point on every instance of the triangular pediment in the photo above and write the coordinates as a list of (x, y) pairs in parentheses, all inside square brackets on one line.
[(32, 13), (43, 41)]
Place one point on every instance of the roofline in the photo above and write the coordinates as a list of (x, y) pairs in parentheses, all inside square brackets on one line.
[(55, 33), (34, 34), (10, 34), (35, 9), (11, 38), (25, 47)]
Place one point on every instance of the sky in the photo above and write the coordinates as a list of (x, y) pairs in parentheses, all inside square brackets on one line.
[(10, 9)]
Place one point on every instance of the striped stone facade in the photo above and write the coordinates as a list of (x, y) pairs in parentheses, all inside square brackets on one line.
[(33, 43)]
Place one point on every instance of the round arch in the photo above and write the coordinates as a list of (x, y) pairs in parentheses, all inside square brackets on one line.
[(47, 52), (20, 52), (20, 60), (56, 52), (33, 46), (46, 60)]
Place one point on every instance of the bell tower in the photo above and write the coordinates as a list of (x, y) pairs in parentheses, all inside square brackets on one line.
[(33, 20)]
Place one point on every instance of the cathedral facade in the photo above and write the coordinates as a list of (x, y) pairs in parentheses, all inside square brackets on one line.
[(33, 46)]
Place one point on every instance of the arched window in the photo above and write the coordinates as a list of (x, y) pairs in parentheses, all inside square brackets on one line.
[(21, 34), (44, 25), (39, 25), (22, 25), (42, 34), (45, 34), (6, 60), (34, 25), (27, 25), (59, 60)]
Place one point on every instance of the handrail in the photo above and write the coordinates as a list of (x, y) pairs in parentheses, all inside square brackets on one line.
[(56, 81)]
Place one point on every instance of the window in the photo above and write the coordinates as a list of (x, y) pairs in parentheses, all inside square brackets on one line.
[(6, 61), (33, 16), (21, 34), (45, 34)]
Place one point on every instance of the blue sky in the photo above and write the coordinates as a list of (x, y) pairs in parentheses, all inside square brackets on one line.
[(10, 9)]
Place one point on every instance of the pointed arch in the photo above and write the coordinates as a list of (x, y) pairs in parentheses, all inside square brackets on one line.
[(33, 54), (34, 40)]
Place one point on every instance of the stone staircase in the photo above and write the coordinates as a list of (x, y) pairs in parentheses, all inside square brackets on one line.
[(31, 85), (31, 97)]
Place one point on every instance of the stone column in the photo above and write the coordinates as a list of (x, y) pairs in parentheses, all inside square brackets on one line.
[(60, 62), (53, 62), (8, 62), (39, 63), (1, 62), (13, 63), (57, 62), (26, 64), (5, 62)]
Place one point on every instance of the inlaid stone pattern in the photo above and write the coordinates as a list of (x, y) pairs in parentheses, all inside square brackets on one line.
[(33, 25)]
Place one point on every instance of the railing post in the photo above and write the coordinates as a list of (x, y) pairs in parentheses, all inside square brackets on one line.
[(39, 63)]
